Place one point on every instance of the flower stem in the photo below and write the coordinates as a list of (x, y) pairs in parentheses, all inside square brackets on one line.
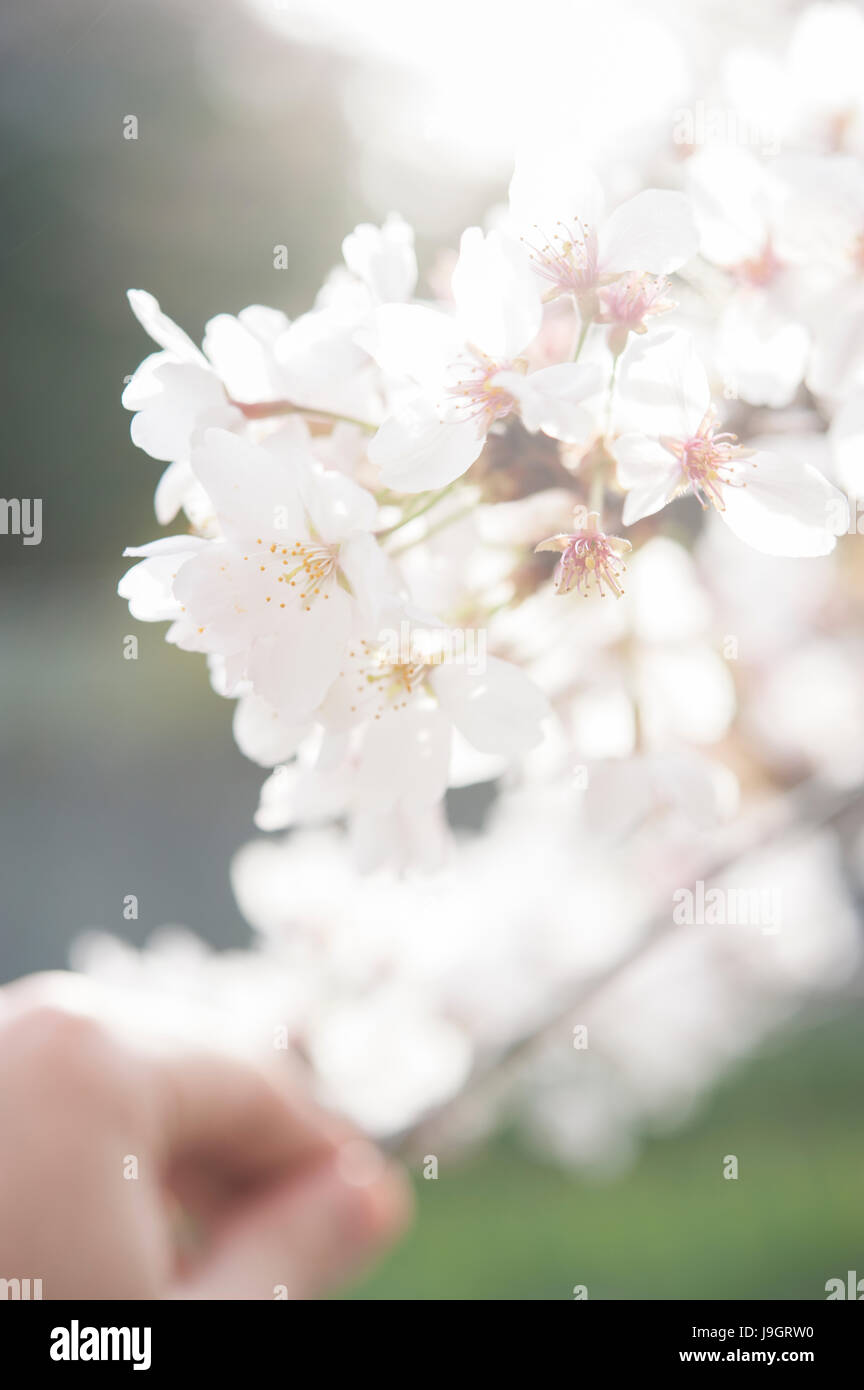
[(598, 490), (426, 505), (598, 475), (438, 526), (587, 321), (610, 399)]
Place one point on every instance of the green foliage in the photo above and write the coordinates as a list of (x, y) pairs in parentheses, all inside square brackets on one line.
[(505, 1227)]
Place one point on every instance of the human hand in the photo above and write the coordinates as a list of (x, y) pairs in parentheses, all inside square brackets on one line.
[(112, 1146)]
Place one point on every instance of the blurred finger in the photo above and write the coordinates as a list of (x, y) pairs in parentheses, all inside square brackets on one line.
[(300, 1238)]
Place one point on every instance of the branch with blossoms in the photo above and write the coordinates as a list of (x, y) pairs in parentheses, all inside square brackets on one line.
[(579, 527), (367, 483), (785, 823)]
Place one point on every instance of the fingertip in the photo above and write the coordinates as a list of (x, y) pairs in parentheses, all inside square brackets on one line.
[(382, 1200), (319, 1229)]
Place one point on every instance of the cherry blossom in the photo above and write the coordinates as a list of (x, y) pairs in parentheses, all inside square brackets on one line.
[(589, 559), (469, 370), (278, 593), (752, 226), (389, 724), (778, 505), (182, 389), (558, 206), (393, 501)]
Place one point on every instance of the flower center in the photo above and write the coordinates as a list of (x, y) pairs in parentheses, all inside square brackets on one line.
[(477, 395), (589, 562), (301, 567), (710, 461), (759, 270), (567, 259), (378, 683), (633, 298)]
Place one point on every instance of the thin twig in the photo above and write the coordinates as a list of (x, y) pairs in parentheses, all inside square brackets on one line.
[(804, 818)]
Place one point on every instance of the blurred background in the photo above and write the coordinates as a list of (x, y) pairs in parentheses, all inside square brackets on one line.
[(273, 123)]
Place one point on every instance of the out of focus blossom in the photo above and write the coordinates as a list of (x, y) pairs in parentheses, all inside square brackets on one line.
[(640, 380)]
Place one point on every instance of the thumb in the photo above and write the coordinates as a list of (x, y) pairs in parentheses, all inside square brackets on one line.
[(302, 1236)]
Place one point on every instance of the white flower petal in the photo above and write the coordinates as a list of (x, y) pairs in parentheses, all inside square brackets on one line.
[(500, 711), (732, 198), (262, 732), (663, 387), (407, 838), (147, 590), (685, 693), (667, 602), (416, 450), (550, 399), (148, 586), (652, 232), (550, 186), (405, 758), (786, 508), (173, 487), (254, 493), (496, 294), (323, 367), (648, 472), (383, 258), (294, 666), (244, 363), (163, 330), (413, 342), (847, 440), (186, 398), (143, 384), (299, 795), (223, 598), (372, 576), (168, 545), (646, 499), (837, 361), (337, 505), (760, 351)]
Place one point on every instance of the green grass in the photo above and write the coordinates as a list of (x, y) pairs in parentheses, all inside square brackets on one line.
[(503, 1226)]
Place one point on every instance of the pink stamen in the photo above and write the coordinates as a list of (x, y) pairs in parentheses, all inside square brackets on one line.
[(759, 270), (709, 461), (629, 301), (479, 398), (589, 560), (567, 259)]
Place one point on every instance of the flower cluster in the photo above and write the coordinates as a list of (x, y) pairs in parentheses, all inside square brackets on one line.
[(386, 464), (388, 508), (397, 1014)]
